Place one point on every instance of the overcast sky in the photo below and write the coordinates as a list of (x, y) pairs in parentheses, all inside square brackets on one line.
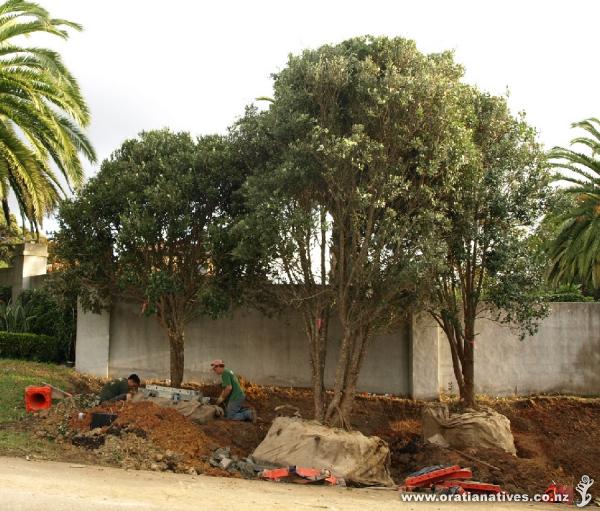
[(193, 65)]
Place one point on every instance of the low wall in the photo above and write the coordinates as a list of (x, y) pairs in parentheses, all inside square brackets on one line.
[(564, 356)]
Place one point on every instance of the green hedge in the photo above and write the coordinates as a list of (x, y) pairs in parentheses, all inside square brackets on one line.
[(570, 297), (41, 348)]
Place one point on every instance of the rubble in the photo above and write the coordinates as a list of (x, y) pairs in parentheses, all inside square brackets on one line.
[(247, 467)]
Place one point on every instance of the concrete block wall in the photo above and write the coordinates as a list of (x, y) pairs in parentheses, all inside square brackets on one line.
[(413, 361), (266, 350), (563, 357)]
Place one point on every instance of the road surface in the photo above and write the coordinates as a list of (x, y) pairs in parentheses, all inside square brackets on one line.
[(51, 486)]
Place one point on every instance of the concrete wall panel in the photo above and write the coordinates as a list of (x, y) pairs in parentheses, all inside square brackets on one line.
[(564, 356), (266, 350)]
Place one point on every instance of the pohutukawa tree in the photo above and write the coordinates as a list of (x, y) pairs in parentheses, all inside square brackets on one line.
[(153, 228), (42, 113), (491, 269), (347, 158)]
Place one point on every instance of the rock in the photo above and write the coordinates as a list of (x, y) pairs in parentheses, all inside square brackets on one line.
[(225, 462)]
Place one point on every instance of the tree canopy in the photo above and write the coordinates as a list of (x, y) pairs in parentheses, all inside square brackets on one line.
[(153, 227), (491, 268), (347, 160)]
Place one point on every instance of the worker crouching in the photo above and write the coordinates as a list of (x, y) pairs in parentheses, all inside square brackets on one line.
[(232, 395)]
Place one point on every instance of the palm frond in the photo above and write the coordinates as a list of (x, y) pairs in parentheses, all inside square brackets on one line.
[(42, 112), (575, 252)]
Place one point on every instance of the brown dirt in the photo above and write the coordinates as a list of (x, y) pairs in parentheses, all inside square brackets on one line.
[(557, 438)]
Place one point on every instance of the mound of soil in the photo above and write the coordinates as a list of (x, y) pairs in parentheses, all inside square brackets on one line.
[(557, 438)]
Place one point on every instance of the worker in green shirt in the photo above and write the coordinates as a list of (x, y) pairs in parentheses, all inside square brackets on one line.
[(232, 394), (120, 389)]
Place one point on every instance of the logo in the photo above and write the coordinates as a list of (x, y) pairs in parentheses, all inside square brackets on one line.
[(582, 488)]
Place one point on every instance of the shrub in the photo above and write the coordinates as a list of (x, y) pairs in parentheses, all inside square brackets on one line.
[(15, 317), (5, 293), (52, 317), (569, 293), (41, 348)]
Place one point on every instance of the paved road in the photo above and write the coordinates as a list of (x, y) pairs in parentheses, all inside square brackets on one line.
[(50, 486)]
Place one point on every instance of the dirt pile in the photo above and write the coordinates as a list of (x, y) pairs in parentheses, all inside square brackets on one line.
[(557, 438), (144, 435), (166, 428)]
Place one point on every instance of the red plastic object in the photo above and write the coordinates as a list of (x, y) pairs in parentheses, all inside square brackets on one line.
[(438, 475), (37, 398), (308, 472), (276, 474), (299, 475), (559, 493)]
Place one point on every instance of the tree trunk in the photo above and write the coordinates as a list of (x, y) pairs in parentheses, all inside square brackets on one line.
[(349, 366), (463, 362), (318, 354), (333, 415), (176, 348), (468, 371)]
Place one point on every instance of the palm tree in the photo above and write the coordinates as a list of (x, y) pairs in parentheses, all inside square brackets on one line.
[(42, 114), (575, 253)]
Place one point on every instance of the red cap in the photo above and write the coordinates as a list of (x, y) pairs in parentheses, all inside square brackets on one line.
[(217, 362)]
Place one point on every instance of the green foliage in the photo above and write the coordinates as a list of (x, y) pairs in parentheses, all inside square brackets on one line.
[(40, 312), (153, 227), (52, 315), (490, 215), (347, 159), (569, 293), (15, 317), (492, 266), (575, 250), (42, 113), (41, 348), (5, 293)]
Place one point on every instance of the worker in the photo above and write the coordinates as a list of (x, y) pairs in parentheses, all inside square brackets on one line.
[(232, 395), (121, 389)]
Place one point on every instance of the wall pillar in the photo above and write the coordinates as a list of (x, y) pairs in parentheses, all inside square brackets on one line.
[(30, 261), (424, 357), (93, 342)]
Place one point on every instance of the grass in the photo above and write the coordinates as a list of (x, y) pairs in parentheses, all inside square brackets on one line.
[(19, 443), (15, 375)]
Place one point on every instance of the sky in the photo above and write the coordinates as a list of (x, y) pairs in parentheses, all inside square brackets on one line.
[(193, 65)]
